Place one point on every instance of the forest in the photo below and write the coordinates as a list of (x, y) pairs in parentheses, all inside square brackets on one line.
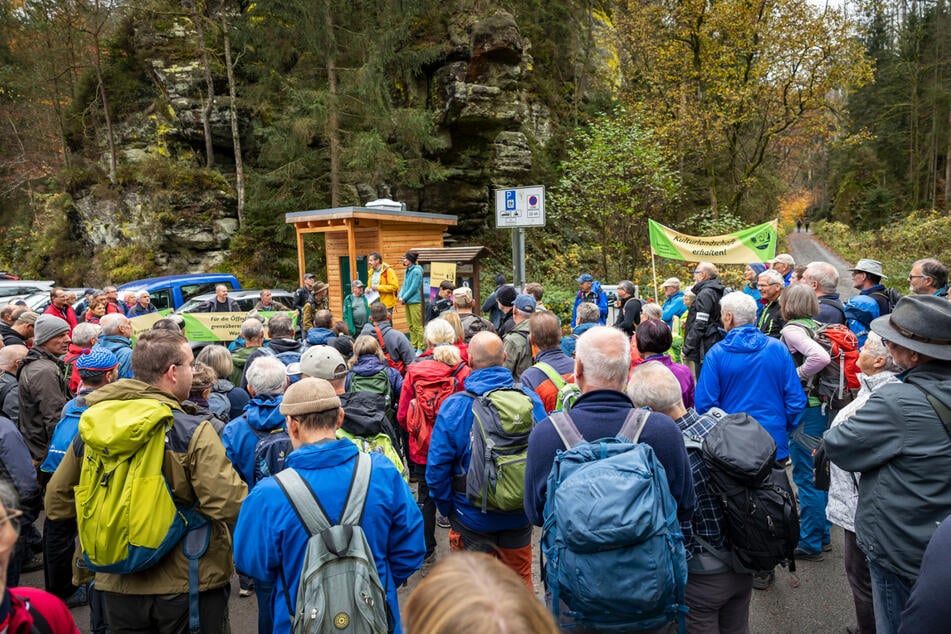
[(161, 136)]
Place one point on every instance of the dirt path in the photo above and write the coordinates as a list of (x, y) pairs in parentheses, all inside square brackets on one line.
[(805, 248)]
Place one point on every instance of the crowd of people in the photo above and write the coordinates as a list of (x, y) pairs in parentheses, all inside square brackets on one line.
[(347, 442)]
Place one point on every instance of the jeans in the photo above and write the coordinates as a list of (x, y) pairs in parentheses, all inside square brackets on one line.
[(427, 505), (890, 593), (813, 525)]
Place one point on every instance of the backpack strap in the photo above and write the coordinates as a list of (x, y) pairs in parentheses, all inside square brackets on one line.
[(455, 372), (634, 424), (303, 501), (40, 624), (566, 429), (352, 513), (942, 410), (552, 374)]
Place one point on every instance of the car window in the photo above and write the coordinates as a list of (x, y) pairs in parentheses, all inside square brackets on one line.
[(190, 290), (161, 299)]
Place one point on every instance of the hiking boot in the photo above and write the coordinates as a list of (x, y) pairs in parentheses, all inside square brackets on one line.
[(443, 522), (802, 554), (245, 592), (428, 564), (78, 598), (33, 564), (763, 580), (827, 547)]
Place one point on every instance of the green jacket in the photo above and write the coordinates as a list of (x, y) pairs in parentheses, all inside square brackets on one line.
[(518, 350), (348, 313), (197, 470)]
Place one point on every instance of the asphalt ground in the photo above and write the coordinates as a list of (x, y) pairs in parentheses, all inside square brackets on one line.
[(814, 599)]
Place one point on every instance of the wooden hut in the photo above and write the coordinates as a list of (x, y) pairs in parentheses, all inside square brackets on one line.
[(352, 232)]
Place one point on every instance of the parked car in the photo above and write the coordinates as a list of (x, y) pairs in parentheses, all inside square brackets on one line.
[(15, 288), (246, 300), (172, 291)]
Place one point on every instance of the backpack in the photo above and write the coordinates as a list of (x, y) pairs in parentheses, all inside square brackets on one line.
[(399, 366), (366, 426), (63, 434), (287, 357), (502, 420), (378, 383), (270, 451), (760, 516), (428, 397), (472, 324), (339, 585), (126, 516), (825, 301), (609, 516), (859, 313), (891, 295), (834, 384), (559, 392)]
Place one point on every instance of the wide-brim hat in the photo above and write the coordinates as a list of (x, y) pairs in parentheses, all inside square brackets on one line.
[(921, 323), (869, 266)]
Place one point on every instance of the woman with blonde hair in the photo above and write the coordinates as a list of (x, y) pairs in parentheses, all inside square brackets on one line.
[(474, 593), (368, 360), (456, 323), (798, 304), (225, 400), (428, 382)]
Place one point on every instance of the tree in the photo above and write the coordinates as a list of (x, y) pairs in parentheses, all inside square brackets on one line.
[(616, 176), (726, 81)]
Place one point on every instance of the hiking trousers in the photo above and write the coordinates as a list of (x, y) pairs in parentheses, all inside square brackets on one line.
[(167, 613), (813, 525), (512, 547), (414, 319)]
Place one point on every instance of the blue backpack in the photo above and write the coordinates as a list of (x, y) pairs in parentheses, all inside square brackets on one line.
[(612, 545), (270, 452), (859, 313)]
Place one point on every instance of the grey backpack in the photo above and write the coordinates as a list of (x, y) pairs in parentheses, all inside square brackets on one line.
[(339, 588)]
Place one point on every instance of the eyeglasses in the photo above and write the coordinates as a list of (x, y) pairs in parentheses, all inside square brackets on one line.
[(12, 518), (760, 285), (911, 277), (697, 271)]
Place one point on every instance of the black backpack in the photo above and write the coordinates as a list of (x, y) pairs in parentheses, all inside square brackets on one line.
[(761, 519)]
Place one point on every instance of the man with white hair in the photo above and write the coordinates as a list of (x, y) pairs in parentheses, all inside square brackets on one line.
[(785, 265), (117, 339), (824, 280), (770, 285), (752, 373), (718, 597), (143, 305)]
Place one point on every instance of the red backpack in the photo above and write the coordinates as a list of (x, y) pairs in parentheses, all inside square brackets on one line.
[(428, 396), (399, 366), (836, 383)]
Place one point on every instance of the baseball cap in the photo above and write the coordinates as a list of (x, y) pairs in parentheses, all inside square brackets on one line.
[(584, 277), (357, 284), (323, 362), (525, 303)]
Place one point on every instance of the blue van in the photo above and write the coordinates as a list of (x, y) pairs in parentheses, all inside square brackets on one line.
[(171, 291)]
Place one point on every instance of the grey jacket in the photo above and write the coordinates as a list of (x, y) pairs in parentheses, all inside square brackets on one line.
[(9, 396), (43, 390), (396, 343), (903, 452)]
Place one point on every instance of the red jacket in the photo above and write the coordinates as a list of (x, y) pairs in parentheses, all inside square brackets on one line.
[(426, 370), (68, 315), (26, 601)]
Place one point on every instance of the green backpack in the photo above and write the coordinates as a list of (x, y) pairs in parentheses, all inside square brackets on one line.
[(378, 383), (502, 420), (125, 514), (380, 443)]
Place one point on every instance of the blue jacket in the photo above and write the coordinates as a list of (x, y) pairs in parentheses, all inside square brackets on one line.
[(568, 342), (673, 307), (601, 299), (752, 291), (16, 465), (370, 364), (411, 290), (319, 336), (879, 293), (600, 414), (122, 348), (752, 373), (270, 540), (65, 431), (831, 313), (262, 413), (450, 451)]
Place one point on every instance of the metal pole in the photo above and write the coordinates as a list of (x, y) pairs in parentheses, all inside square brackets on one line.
[(518, 257)]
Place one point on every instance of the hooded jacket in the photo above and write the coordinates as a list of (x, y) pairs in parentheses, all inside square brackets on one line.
[(898, 444), (370, 364), (411, 290), (425, 370), (450, 451), (273, 550), (702, 328), (43, 391), (198, 473), (752, 373), (387, 284), (262, 414), (394, 341), (18, 605), (122, 348), (673, 307)]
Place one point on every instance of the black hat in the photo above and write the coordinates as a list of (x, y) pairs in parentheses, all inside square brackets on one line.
[(921, 323), (410, 256), (506, 296)]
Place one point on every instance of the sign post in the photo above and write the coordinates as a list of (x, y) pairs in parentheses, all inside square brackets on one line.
[(517, 208)]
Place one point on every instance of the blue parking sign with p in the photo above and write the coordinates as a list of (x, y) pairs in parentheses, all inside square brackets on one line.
[(510, 200)]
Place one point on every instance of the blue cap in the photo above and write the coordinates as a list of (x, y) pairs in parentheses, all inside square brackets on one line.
[(584, 277), (97, 359), (758, 267), (525, 303)]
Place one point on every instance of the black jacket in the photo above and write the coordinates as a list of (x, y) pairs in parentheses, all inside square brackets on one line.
[(629, 315), (702, 328)]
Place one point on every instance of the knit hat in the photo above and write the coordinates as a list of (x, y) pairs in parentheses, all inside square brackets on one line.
[(97, 359), (47, 327), (410, 256), (506, 295), (758, 267), (323, 362), (309, 396), (525, 303), (499, 279)]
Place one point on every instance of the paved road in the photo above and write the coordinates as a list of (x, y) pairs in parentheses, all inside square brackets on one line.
[(815, 599)]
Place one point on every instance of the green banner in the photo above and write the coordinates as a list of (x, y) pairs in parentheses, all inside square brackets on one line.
[(753, 244), (204, 326)]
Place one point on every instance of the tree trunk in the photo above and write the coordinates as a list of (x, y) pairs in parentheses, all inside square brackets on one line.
[(209, 83), (235, 135), (333, 130)]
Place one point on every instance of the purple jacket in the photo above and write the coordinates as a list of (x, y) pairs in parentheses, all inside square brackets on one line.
[(683, 374)]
